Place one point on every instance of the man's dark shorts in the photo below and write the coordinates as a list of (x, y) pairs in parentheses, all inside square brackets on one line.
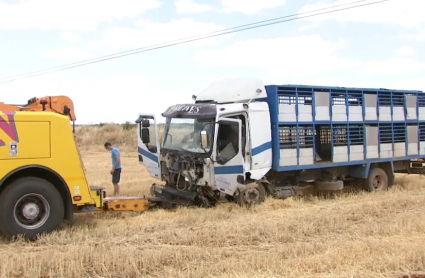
[(116, 176)]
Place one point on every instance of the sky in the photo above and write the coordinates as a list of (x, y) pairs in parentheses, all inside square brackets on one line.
[(380, 46)]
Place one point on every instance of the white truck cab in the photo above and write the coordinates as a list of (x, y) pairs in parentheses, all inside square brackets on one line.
[(220, 143)]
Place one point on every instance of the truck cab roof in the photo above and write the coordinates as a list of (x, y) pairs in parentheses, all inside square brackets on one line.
[(233, 90)]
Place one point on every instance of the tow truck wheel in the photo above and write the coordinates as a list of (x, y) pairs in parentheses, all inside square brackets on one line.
[(29, 207), (252, 196)]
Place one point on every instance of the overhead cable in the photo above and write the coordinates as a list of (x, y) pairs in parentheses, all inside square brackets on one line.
[(194, 38)]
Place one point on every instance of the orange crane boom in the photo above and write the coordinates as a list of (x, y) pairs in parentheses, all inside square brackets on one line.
[(60, 104)]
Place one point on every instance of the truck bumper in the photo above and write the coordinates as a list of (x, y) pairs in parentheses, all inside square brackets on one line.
[(168, 197)]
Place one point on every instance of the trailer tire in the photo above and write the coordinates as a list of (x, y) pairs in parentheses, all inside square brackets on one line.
[(377, 180), (327, 186), (30, 206)]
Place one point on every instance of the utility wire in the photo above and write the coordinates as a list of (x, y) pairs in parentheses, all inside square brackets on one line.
[(176, 42), (190, 39)]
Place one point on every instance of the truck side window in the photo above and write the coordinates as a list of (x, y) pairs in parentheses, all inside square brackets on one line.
[(227, 141), (242, 118)]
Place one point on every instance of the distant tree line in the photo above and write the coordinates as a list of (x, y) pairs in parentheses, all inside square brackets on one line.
[(126, 126)]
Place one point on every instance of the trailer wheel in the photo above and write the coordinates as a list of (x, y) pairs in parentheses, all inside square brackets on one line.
[(29, 207), (377, 180), (327, 186), (252, 196)]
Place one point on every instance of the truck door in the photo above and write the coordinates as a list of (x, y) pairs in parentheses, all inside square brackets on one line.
[(148, 144), (229, 162)]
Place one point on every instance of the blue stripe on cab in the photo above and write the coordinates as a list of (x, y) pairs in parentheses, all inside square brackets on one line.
[(149, 155), (261, 148), (228, 170)]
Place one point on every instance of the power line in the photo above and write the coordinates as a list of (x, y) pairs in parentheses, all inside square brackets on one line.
[(190, 39), (176, 42), (180, 41)]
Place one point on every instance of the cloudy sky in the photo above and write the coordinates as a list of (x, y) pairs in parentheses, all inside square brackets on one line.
[(379, 45)]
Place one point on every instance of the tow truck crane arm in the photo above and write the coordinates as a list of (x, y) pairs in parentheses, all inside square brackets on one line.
[(60, 104)]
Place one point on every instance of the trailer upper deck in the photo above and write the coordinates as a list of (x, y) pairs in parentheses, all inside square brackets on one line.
[(314, 126)]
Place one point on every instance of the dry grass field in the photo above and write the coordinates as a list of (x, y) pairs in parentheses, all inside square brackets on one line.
[(356, 234)]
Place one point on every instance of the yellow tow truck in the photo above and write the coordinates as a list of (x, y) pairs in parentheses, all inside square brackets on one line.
[(42, 176)]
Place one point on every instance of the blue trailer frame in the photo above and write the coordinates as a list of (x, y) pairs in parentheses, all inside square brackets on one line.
[(397, 113)]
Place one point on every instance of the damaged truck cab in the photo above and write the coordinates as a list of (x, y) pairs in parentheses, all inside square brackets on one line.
[(242, 140), (219, 144)]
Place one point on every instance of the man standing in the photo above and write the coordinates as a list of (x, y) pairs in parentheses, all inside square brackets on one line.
[(116, 167)]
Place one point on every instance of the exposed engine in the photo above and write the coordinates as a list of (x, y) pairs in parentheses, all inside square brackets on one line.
[(184, 180), (182, 172)]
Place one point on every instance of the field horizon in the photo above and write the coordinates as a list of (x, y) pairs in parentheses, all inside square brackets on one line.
[(353, 234)]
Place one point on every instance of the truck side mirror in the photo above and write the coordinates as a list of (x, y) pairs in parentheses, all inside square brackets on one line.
[(145, 135), (204, 139), (146, 123)]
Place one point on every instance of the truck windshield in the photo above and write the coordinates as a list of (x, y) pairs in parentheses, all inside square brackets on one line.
[(192, 135)]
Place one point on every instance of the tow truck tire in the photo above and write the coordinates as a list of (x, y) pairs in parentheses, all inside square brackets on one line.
[(29, 207)]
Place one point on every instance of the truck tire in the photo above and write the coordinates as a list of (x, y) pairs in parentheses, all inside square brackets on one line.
[(252, 196), (377, 180), (327, 186), (30, 206)]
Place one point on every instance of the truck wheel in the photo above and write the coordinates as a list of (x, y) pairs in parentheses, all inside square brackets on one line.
[(30, 206), (377, 180), (337, 185), (252, 196)]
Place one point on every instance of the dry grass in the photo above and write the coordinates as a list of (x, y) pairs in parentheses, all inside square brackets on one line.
[(353, 235), (93, 137)]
